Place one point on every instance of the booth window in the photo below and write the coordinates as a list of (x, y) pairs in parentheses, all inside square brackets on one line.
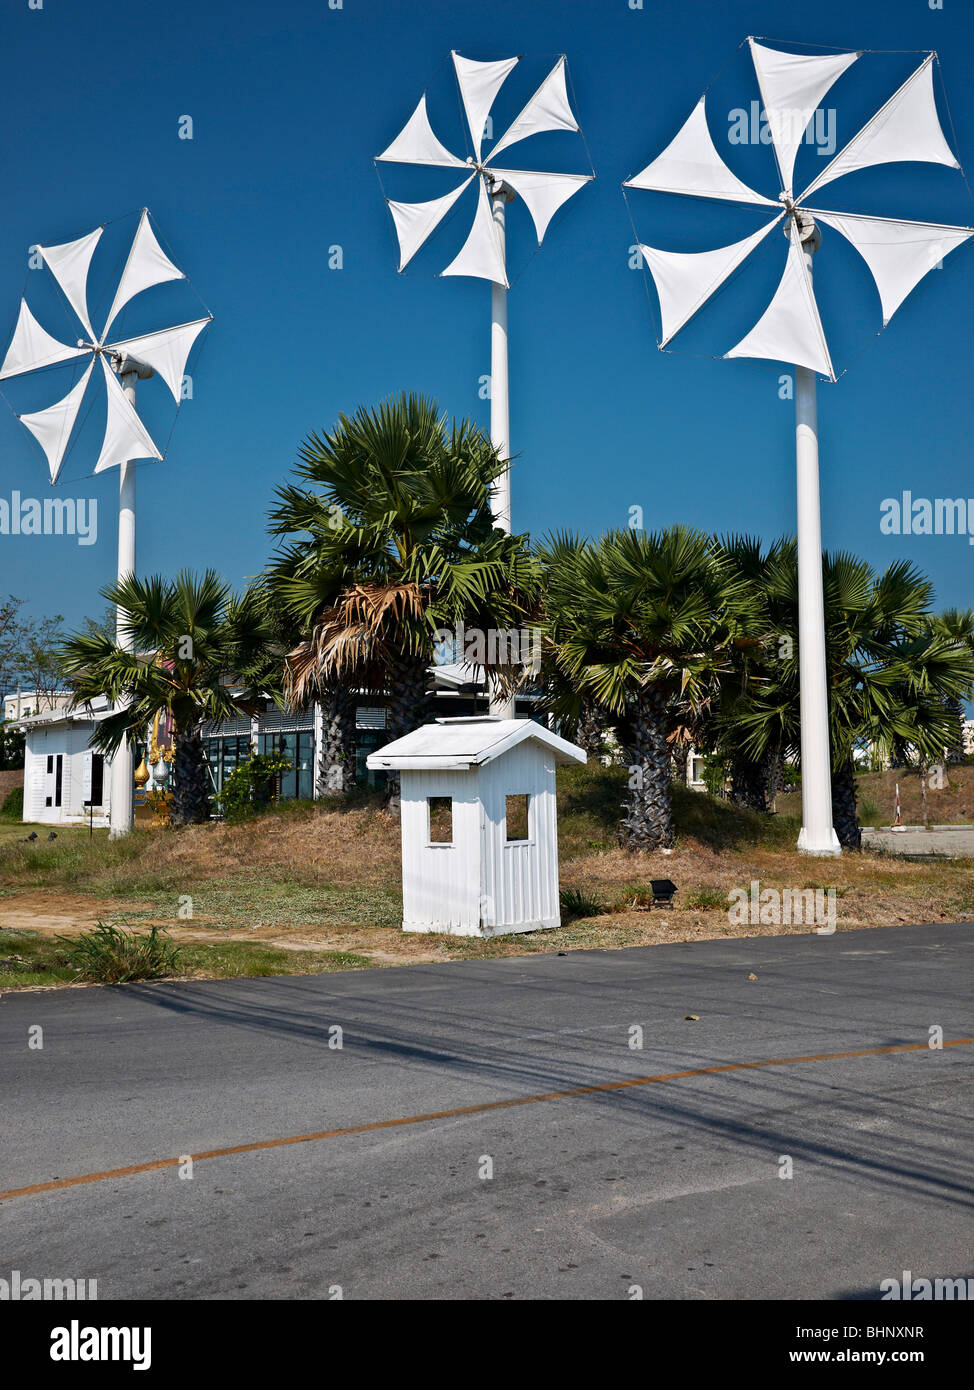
[(517, 819), (440, 812)]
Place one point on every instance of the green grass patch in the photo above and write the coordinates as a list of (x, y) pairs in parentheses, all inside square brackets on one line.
[(30, 958)]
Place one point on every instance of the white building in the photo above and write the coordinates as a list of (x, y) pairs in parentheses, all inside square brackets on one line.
[(61, 771), (23, 703), (58, 757), (479, 824)]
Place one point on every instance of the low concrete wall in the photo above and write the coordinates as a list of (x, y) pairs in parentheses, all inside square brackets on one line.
[(943, 841)]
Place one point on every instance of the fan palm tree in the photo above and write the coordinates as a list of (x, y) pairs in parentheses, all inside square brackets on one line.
[(889, 674), (389, 542), (957, 625), (199, 652), (755, 781), (634, 621)]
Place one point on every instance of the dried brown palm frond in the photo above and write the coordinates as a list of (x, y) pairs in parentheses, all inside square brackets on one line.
[(355, 639)]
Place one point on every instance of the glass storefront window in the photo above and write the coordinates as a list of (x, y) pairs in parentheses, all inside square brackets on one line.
[(299, 749)]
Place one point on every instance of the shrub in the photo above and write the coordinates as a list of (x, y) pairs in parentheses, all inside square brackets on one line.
[(575, 903), (715, 775), (111, 956), (706, 898), (13, 805), (869, 811), (634, 895), (252, 785)]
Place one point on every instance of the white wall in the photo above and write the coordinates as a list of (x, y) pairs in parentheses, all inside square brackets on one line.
[(521, 879), (71, 742), (440, 883)]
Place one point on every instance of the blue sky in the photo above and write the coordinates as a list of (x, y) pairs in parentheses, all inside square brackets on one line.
[(290, 102)]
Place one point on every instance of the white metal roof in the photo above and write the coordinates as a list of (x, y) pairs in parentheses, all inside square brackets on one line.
[(458, 744), (94, 713)]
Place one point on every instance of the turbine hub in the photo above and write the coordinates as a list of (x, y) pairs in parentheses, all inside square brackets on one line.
[(131, 366)]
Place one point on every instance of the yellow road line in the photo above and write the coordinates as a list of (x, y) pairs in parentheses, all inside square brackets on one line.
[(58, 1183)]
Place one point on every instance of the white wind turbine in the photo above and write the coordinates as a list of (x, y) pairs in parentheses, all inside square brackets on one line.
[(123, 361), (897, 253), (483, 254)]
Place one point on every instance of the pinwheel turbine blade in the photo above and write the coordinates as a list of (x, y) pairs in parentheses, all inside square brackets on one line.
[(165, 352), (685, 280), (147, 265), (543, 194), (898, 254), (414, 222), (32, 347), (416, 143), (792, 85), (548, 109), (906, 129), (480, 255), (53, 426), (126, 438), (69, 264), (691, 165), (790, 329), (479, 84)]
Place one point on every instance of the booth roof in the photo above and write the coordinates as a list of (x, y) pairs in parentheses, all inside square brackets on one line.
[(457, 744)]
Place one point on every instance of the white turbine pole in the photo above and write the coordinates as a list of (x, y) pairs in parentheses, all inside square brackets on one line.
[(817, 835), (122, 812), (500, 410), (500, 407)]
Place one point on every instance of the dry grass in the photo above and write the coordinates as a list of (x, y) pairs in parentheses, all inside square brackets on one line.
[(951, 804), (309, 879)]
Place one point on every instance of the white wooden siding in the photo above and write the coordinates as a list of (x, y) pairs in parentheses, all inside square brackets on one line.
[(520, 878), (71, 742), (441, 883)]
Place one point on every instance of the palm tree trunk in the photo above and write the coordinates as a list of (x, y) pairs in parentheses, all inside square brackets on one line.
[(774, 775), (749, 783), (756, 784), (191, 781), (589, 734), (407, 709), (924, 772), (845, 813), (336, 757), (648, 819), (680, 751)]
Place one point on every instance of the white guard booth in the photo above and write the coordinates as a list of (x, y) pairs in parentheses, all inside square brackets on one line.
[(479, 824)]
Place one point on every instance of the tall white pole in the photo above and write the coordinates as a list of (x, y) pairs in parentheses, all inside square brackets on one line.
[(500, 409), (817, 835), (123, 763)]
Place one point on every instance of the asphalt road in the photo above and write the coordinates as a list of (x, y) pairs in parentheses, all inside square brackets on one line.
[(672, 1187)]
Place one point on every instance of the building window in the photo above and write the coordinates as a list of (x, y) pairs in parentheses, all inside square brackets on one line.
[(439, 812), (517, 819), (223, 755), (97, 778), (299, 749), (370, 717)]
